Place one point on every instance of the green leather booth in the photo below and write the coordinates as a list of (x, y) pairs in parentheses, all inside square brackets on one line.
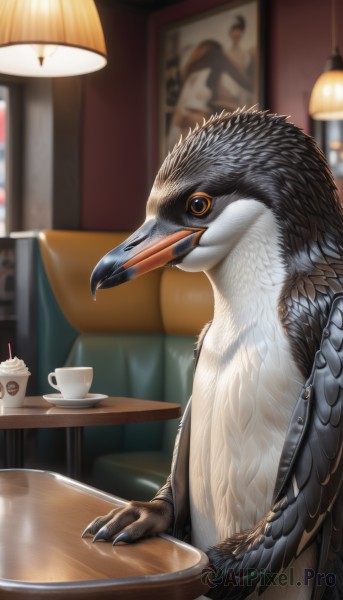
[(139, 338)]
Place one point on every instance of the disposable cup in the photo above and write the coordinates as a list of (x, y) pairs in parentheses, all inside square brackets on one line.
[(13, 390)]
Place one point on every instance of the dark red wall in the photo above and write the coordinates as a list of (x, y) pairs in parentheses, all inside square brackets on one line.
[(299, 44), (121, 105), (114, 161)]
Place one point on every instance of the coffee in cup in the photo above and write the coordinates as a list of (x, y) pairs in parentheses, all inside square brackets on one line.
[(72, 382)]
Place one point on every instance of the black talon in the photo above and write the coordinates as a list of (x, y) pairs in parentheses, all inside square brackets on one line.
[(122, 537), (86, 531), (101, 535)]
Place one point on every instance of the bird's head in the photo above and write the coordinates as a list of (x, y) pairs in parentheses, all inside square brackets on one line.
[(213, 187)]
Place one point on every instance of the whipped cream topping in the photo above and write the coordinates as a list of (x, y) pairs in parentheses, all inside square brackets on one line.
[(14, 366)]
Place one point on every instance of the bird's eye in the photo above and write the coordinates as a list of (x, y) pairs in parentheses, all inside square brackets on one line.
[(199, 204)]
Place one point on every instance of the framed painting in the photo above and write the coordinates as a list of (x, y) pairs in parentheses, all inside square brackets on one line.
[(209, 63), (329, 135)]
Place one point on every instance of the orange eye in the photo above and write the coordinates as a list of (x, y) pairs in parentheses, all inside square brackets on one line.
[(199, 204)]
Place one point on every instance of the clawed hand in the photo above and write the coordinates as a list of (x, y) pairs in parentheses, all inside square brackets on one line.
[(132, 522)]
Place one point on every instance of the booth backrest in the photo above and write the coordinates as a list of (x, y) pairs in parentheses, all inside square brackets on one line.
[(69, 258), (166, 300)]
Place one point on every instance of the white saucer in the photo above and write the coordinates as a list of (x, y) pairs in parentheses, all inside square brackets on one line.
[(87, 402)]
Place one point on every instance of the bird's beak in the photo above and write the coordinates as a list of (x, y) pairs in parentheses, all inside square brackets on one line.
[(150, 247)]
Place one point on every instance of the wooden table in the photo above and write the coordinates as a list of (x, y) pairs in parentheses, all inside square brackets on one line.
[(43, 556), (38, 413)]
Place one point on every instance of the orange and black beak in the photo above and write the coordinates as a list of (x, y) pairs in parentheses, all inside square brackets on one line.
[(146, 249)]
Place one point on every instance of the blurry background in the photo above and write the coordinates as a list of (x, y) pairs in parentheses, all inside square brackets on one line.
[(82, 152)]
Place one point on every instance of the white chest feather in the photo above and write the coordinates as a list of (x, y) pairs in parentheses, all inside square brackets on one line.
[(244, 391)]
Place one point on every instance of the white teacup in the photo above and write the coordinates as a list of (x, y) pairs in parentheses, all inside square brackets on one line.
[(72, 382)]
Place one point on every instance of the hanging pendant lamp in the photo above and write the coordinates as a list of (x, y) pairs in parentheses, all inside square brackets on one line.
[(326, 102), (50, 38)]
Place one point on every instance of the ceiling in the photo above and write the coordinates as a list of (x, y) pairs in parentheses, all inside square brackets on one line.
[(151, 4), (148, 5)]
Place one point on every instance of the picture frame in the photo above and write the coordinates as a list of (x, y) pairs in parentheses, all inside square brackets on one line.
[(329, 136), (208, 63)]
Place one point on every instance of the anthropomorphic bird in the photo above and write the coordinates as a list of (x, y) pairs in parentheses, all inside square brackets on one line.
[(248, 198)]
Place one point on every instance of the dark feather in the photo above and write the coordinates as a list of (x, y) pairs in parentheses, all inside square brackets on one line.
[(319, 480), (260, 155)]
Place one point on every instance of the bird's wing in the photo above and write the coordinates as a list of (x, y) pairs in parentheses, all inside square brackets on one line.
[(331, 552), (175, 490), (307, 500)]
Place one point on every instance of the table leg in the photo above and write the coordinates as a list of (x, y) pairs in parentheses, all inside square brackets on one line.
[(74, 451), (14, 448)]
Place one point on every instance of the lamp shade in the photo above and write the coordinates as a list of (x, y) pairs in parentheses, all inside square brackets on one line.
[(326, 102), (50, 38)]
